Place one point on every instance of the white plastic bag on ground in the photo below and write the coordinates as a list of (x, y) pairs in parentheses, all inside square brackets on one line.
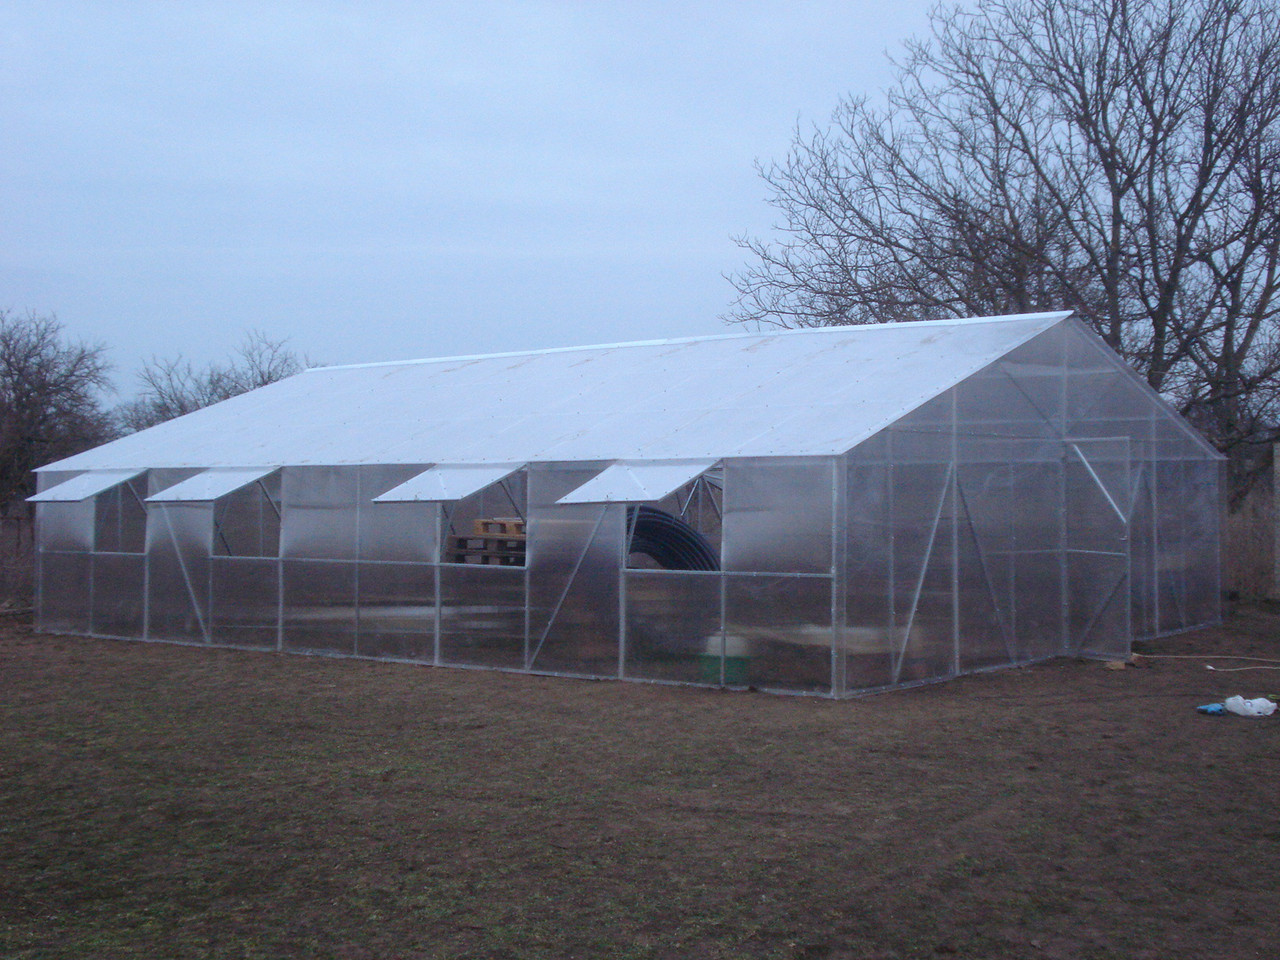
[(1259, 707)]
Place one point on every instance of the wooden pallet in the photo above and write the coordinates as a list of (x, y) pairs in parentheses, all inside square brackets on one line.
[(511, 527), (498, 541)]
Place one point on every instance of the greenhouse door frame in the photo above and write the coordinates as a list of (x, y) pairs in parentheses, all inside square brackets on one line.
[(1096, 507), (1067, 546)]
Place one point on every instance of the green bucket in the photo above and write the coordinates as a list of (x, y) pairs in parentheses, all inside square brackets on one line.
[(736, 669)]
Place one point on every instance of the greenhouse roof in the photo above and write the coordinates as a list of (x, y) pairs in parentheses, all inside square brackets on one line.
[(791, 393)]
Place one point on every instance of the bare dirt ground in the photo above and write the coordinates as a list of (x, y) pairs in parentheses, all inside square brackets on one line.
[(174, 802)]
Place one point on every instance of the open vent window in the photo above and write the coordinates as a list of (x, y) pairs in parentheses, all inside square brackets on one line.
[(246, 508), (246, 522), (489, 526), (484, 510), (120, 518), (675, 510), (682, 531)]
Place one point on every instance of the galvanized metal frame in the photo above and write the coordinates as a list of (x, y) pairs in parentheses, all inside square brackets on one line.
[(980, 565)]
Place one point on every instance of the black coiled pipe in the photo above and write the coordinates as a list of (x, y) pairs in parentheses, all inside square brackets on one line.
[(672, 543)]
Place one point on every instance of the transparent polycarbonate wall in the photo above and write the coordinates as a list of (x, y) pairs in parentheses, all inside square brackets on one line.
[(765, 619), (91, 561), (1044, 506)]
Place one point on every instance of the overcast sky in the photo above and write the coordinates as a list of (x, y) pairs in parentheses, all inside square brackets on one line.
[(379, 181)]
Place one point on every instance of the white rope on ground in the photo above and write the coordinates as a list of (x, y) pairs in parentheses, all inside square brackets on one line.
[(1203, 656)]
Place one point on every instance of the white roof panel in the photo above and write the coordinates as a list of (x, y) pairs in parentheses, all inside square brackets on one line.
[(797, 392), (209, 485), (84, 486), (631, 481), (448, 482)]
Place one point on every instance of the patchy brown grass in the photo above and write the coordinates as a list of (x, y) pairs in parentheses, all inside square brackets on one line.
[(166, 801)]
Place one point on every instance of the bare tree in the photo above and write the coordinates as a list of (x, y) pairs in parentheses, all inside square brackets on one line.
[(172, 388), (50, 392), (1120, 158)]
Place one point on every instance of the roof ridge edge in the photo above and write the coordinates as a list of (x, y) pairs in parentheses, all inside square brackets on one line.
[(791, 331)]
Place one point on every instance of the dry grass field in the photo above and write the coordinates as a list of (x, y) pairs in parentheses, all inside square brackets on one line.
[(161, 801)]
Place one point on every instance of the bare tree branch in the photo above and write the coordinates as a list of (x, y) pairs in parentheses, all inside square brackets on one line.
[(1120, 158), (49, 399), (174, 387)]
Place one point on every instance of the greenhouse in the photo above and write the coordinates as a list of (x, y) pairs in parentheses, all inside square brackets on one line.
[(825, 511)]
